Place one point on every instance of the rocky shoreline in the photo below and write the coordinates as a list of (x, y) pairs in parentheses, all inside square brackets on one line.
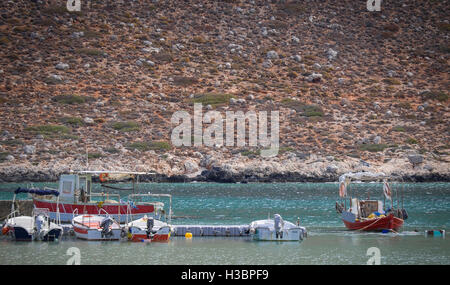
[(356, 90), (238, 170)]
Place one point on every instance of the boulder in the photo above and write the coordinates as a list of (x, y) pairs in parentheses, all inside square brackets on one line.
[(62, 66), (29, 149), (272, 55), (331, 54), (190, 166), (415, 159)]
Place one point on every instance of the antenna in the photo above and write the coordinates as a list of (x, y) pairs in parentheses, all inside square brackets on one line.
[(87, 158)]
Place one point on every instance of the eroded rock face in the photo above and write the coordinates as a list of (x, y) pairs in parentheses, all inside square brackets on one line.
[(415, 159), (112, 83)]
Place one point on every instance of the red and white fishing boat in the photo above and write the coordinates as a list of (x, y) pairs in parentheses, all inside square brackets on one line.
[(76, 194), (96, 227), (149, 229), (369, 215)]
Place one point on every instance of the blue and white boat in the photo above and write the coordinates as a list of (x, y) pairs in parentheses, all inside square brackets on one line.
[(38, 226), (276, 229)]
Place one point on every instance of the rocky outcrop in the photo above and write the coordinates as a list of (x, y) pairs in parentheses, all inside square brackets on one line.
[(97, 89), (214, 168)]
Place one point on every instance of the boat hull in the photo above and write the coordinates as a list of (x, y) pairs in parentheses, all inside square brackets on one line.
[(21, 234), (266, 234), (88, 227), (52, 235), (389, 222), (162, 235), (95, 234), (116, 211)]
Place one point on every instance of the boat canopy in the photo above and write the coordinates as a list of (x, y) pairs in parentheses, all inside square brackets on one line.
[(37, 191)]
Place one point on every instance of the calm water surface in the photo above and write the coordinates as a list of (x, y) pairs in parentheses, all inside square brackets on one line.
[(328, 241)]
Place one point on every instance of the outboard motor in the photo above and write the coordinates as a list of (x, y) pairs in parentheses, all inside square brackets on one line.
[(105, 226), (39, 223), (150, 224), (279, 225)]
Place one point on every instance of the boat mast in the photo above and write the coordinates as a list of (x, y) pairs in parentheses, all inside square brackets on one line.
[(133, 181), (403, 189), (396, 194)]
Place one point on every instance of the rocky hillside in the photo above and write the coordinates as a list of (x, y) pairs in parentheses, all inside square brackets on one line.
[(356, 90)]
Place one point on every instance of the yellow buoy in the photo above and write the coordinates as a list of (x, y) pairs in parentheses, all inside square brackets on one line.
[(188, 235)]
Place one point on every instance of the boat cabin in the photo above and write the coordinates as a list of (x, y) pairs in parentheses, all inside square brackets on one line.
[(75, 188), (363, 208)]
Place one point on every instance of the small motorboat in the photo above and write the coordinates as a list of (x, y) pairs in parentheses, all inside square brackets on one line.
[(148, 229), (38, 226), (29, 228), (276, 229), (19, 228), (96, 227)]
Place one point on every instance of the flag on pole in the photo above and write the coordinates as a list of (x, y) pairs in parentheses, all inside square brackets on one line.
[(387, 190), (342, 189)]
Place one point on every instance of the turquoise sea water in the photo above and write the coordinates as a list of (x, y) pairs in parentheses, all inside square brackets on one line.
[(328, 241)]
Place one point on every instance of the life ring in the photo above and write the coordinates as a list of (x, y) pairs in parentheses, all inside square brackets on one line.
[(5, 230), (103, 177)]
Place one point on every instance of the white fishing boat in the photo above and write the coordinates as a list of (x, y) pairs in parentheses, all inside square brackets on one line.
[(276, 229), (96, 227), (38, 226), (149, 228)]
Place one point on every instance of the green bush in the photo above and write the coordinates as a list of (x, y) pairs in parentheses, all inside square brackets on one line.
[(212, 99), (184, 81), (48, 129), (128, 126), (90, 51), (70, 99), (411, 141), (391, 81), (73, 121), (436, 95), (94, 155), (398, 129), (373, 147), (146, 146), (306, 110), (12, 142), (52, 131)]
